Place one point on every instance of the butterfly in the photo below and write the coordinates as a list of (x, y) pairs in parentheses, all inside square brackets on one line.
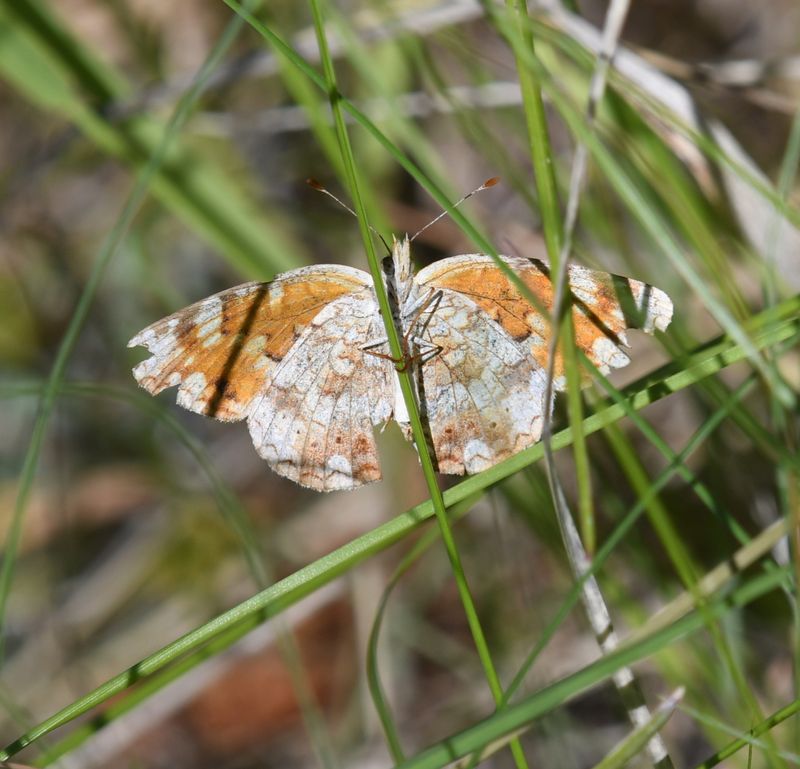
[(304, 358)]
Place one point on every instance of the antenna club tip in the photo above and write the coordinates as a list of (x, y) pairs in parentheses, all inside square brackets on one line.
[(491, 182), (313, 183)]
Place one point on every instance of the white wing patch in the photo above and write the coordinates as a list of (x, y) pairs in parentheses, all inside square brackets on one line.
[(314, 421), (481, 397)]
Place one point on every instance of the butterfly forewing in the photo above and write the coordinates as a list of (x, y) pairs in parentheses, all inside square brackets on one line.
[(603, 305), (221, 349)]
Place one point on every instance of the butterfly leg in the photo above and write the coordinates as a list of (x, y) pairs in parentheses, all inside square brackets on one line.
[(402, 363), (369, 349), (423, 313), (417, 326), (422, 303), (425, 350), (426, 304)]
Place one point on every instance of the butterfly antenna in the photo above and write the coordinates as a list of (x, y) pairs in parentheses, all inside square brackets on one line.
[(488, 183), (316, 185)]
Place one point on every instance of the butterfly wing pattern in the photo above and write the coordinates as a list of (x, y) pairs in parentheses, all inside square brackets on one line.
[(484, 393), (299, 358), (481, 396), (286, 356)]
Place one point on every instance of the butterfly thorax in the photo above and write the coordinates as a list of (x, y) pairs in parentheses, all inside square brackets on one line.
[(399, 279)]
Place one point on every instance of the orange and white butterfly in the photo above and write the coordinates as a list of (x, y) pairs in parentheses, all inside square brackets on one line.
[(303, 359)]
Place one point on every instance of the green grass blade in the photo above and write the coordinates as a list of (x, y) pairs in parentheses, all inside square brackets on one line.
[(541, 153), (637, 740), (751, 738), (81, 312), (516, 716), (40, 59), (406, 385), (620, 531), (373, 678)]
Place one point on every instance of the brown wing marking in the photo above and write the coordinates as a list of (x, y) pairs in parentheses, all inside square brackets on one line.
[(221, 349), (604, 305)]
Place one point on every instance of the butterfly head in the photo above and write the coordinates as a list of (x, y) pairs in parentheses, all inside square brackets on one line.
[(397, 269)]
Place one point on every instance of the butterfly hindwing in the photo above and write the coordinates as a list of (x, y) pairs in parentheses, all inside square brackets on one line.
[(481, 396), (313, 423)]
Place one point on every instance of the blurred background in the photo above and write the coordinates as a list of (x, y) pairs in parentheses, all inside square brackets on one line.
[(134, 522)]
